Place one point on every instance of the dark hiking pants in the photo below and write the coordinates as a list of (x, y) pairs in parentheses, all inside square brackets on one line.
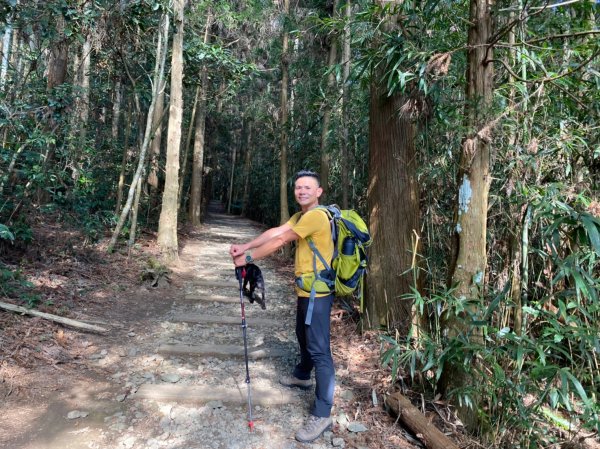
[(315, 352)]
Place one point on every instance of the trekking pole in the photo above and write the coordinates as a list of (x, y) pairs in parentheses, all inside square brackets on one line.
[(240, 273)]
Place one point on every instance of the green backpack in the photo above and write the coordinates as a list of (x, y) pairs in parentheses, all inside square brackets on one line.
[(349, 263)]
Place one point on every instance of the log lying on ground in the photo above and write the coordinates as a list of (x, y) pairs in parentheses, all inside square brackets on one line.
[(55, 318), (418, 423)]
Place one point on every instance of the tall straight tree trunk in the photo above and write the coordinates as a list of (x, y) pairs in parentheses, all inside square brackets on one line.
[(328, 108), (515, 232), (19, 62), (79, 119), (393, 203), (284, 213), (159, 70), (116, 110), (84, 99), (6, 39), (156, 140), (474, 178), (186, 148), (57, 63), (57, 72), (232, 173), (247, 167), (167, 225), (125, 150), (195, 205), (134, 211), (346, 55)]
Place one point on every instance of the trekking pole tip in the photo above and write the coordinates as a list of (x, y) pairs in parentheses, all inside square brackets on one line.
[(251, 425)]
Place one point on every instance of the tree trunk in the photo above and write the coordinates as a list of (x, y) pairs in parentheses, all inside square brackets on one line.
[(247, 168), (195, 203), (8, 32), (167, 226), (51, 317), (79, 119), (159, 70), (468, 271), (125, 153), (57, 63), (84, 100), (134, 211), (327, 109), (232, 174), (195, 206), (515, 214), (186, 148), (11, 167), (57, 72), (346, 56), (116, 115), (156, 140), (393, 203), (284, 213), (419, 424), (19, 62)]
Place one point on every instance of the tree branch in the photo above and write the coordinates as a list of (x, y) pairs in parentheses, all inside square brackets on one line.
[(562, 36), (547, 79), (573, 97), (522, 17)]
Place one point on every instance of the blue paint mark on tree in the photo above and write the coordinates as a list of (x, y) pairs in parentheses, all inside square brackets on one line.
[(464, 195)]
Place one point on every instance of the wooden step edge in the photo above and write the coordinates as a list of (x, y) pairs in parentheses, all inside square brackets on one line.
[(204, 394)]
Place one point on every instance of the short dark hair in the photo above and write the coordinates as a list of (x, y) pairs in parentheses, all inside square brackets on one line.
[(309, 173)]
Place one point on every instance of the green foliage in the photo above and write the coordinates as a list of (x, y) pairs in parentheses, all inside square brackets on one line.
[(524, 385), (545, 159), (22, 232), (544, 193), (5, 233), (14, 284)]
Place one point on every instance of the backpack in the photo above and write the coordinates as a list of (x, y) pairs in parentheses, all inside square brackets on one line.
[(349, 263)]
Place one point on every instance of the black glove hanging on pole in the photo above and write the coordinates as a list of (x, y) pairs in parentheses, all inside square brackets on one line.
[(254, 285)]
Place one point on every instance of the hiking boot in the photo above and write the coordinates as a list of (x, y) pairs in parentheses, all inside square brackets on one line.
[(313, 428), (293, 381)]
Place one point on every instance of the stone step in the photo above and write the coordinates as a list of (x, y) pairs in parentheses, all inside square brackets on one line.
[(216, 264), (218, 284), (201, 273), (213, 298), (221, 351), (226, 235), (201, 395), (197, 318)]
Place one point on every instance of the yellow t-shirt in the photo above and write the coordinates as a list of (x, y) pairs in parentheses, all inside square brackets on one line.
[(314, 224)]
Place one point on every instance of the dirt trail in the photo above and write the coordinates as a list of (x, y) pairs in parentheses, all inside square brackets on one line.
[(171, 372)]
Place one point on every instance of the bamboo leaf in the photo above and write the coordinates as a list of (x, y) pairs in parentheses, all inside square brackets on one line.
[(578, 388), (591, 228)]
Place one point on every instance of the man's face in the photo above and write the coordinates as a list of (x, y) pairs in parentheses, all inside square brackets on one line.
[(307, 192)]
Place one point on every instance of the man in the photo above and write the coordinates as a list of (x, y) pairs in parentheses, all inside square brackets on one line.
[(314, 338)]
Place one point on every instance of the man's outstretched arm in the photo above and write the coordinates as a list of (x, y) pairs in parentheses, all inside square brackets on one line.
[(236, 250), (265, 244)]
